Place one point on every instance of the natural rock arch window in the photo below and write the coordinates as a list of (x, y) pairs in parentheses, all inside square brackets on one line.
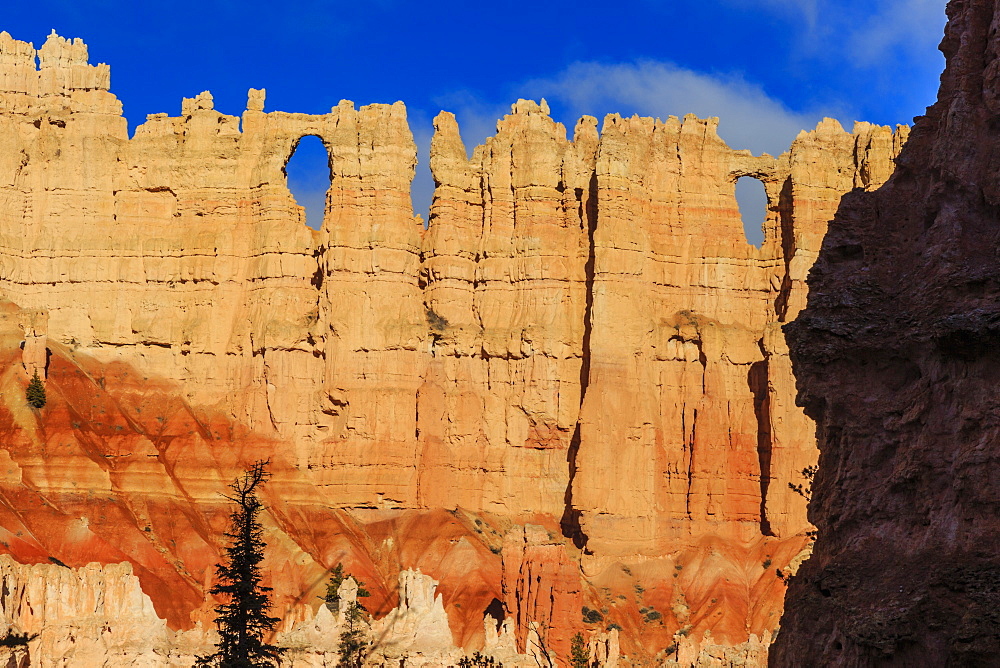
[(308, 176), (752, 200)]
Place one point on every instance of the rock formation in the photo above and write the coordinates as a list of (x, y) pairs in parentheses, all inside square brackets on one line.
[(896, 360), (80, 615), (568, 400), (98, 616)]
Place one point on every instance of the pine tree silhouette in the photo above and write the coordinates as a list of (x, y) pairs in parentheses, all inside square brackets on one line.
[(243, 621), (579, 654), (354, 642), (35, 394)]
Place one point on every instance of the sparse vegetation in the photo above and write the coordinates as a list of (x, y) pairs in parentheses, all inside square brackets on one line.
[(650, 614), (12, 639), (579, 654), (243, 621), (592, 616), (767, 563), (438, 323), (479, 660), (805, 489), (35, 394)]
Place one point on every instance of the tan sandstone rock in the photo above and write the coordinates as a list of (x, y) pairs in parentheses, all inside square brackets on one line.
[(575, 371)]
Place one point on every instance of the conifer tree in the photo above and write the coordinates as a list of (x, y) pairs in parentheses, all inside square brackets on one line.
[(243, 620), (579, 655), (35, 394), (332, 596), (354, 643)]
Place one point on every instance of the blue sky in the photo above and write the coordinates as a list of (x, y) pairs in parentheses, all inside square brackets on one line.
[(767, 68)]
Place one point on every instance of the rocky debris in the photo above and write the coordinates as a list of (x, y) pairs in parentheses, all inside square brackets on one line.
[(99, 616)]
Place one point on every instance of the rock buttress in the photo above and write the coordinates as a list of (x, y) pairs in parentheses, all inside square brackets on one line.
[(896, 358), (688, 423), (506, 294)]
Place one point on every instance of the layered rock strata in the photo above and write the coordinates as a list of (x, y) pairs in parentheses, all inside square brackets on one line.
[(569, 392), (896, 360)]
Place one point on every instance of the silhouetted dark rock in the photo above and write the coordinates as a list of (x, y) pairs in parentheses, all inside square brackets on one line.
[(897, 358)]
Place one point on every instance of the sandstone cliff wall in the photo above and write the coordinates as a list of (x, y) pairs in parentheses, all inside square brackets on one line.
[(688, 426), (581, 339)]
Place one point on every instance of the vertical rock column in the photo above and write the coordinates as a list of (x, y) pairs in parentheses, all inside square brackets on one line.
[(506, 295), (180, 251), (34, 349), (689, 424), (372, 308), (542, 588), (669, 443), (216, 288), (811, 178), (62, 133)]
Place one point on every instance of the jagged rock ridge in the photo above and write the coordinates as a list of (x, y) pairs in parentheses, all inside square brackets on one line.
[(580, 358)]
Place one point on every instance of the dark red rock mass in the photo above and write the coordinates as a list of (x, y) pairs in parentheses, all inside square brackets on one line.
[(897, 358)]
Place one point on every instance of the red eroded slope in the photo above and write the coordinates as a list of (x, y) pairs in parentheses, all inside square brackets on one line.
[(117, 467)]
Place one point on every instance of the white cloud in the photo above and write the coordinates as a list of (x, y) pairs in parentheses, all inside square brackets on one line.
[(808, 10), (749, 118), (914, 26), (862, 34)]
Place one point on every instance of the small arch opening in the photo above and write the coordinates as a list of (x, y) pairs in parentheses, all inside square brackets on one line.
[(752, 201), (308, 175)]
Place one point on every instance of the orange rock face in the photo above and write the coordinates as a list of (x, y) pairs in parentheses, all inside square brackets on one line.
[(571, 390), (688, 421)]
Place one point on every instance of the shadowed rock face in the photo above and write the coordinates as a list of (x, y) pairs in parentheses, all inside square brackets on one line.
[(897, 358), (571, 389)]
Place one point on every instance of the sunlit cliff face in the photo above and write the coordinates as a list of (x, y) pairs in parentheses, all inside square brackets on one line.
[(571, 389)]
